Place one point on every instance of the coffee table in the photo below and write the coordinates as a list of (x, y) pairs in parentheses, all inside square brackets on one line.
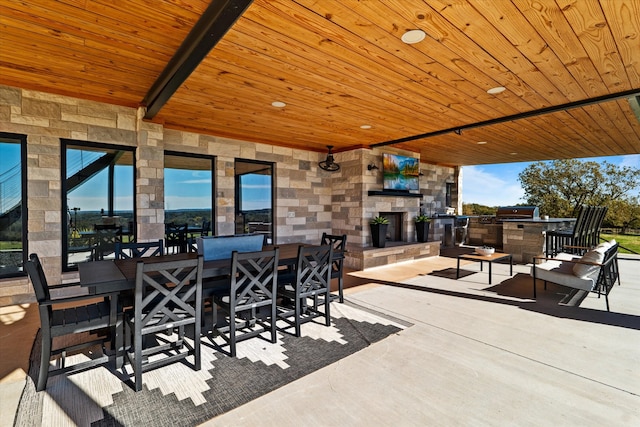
[(496, 256)]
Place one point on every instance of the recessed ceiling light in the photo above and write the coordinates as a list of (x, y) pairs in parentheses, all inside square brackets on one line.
[(365, 127), (513, 154), (413, 36), (496, 90), (481, 142), (278, 104)]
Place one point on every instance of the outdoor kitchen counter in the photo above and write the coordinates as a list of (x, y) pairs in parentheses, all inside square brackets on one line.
[(525, 238)]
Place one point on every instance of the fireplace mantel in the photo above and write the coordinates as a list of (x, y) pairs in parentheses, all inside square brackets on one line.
[(388, 193)]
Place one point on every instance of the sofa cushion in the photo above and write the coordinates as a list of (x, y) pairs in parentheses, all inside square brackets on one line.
[(561, 272), (586, 270)]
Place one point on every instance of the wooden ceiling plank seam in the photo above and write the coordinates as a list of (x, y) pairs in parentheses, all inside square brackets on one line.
[(508, 20), (69, 23), (15, 36), (474, 26), (458, 49), (470, 82), (552, 26), (623, 18), (347, 81), (315, 98), (633, 118), (62, 68), (43, 51), (588, 19), (619, 128), (372, 67), (584, 116)]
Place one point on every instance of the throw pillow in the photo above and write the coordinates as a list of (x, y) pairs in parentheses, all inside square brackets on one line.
[(584, 270)]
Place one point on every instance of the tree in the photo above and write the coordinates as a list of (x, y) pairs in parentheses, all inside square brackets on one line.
[(560, 187), (624, 214)]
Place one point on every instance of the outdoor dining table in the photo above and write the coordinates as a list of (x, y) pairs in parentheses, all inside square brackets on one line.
[(112, 277)]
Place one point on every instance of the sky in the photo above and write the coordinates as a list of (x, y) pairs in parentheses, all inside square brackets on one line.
[(498, 185)]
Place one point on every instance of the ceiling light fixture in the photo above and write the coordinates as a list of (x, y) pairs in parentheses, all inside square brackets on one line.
[(278, 104), (328, 164), (481, 142), (496, 90), (413, 36), (365, 127)]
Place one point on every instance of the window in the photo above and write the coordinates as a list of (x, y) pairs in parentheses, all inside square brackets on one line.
[(254, 198), (188, 188), (13, 203), (98, 188)]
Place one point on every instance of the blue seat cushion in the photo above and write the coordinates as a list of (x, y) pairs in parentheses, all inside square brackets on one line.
[(221, 247)]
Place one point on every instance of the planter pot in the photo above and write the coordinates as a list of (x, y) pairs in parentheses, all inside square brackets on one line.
[(422, 231), (379, 235)]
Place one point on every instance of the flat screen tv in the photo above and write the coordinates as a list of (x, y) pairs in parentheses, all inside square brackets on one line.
[(401, 173)]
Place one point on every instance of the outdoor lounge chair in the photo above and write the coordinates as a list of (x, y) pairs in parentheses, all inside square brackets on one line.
[(595, 271)]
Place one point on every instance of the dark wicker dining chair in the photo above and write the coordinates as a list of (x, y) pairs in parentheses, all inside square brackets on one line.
[(310, 290), (168, 297), (58, 322)]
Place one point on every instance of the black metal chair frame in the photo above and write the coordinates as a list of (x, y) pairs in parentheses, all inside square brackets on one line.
[(176, 237), (339, 244), (311, 288), (94, 316), (105, 240), (608, 272), (168, 296), (139, 249), (251, 285)]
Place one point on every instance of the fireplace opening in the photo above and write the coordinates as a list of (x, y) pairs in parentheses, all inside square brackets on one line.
[(394, 230)]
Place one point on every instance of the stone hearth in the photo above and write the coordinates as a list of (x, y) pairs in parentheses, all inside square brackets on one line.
[(361, 258)]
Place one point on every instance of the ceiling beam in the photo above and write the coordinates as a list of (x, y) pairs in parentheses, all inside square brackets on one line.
[(547, 110), (214, 23)]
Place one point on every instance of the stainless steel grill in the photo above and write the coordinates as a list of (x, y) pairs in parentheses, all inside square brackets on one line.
[(517, 212)]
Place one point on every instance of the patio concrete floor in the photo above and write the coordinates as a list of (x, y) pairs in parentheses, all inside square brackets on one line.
[(475, 355)]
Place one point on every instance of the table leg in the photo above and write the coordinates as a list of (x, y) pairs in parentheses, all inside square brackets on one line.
[(489, 271), (510, 265), (481, 265), (458, 270)]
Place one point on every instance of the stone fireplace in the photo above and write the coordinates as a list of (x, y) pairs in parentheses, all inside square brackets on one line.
[(395, 230)]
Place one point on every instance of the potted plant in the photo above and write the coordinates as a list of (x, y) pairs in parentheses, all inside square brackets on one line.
[(422, 227), (379, 225)]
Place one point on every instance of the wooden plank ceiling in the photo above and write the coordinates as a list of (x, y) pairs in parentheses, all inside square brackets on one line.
[(339, 65)]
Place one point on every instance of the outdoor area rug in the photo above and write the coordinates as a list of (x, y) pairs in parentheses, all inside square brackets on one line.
[(176, 395)]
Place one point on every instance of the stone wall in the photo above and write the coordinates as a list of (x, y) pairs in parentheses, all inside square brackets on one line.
[(304, 206), (309, 201)]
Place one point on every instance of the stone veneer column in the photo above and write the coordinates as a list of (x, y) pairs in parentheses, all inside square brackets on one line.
[(149, 180)]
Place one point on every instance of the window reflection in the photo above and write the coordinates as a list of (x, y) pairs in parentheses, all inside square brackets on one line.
[(12, 205), (254, 198), (188, 189), (98, 192)]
